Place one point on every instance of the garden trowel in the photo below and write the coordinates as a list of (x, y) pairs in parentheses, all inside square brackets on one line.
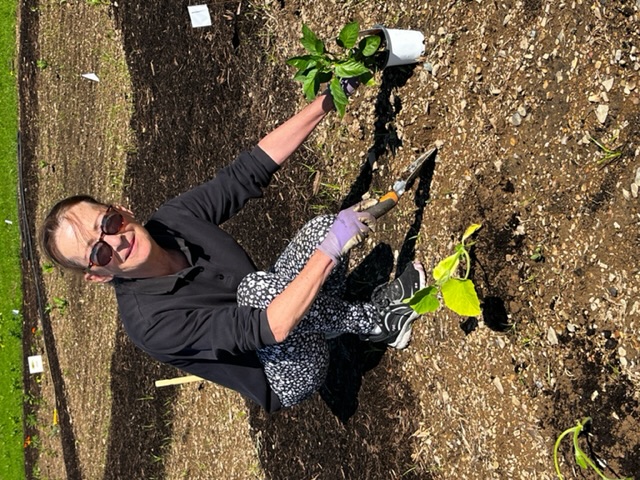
[(390, 199)]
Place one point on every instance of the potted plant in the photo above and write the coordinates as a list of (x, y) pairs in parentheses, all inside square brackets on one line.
[(357, 58)]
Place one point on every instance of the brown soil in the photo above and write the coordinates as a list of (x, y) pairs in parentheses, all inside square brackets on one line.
[(509, 92)]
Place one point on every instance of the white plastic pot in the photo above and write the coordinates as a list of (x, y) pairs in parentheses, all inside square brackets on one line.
[(403, 46)]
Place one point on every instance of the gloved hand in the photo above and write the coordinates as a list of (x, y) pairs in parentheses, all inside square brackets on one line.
[(349, 85), (349, 229)]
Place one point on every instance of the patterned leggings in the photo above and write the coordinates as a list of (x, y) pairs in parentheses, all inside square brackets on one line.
[(297, 367)]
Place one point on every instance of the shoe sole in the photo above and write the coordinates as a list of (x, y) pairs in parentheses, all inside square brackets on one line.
[(404, 336)]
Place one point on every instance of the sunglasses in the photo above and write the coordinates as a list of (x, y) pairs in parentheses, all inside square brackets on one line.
[(102, 253)]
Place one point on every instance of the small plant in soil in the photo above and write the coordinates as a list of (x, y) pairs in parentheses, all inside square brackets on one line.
[(582, 459), (355, 59), (609, 154), (458, 293), (537, 255)]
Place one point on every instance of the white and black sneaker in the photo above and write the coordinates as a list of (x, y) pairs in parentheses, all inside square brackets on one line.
[(395, 318)]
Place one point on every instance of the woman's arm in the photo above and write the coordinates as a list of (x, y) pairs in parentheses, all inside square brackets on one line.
[(288, 308), (285, 139)]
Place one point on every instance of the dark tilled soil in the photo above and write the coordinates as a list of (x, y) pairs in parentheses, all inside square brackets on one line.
[(200, 96)]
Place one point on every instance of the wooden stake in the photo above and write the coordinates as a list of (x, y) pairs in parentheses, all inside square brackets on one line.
[(178, 380)]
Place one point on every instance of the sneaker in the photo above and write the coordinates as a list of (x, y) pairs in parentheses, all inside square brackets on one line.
[(395, 320), (402, 288)]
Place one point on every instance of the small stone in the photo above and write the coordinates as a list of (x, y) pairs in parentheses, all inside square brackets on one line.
[(637, 179), (522, 111), (516, 119), (634, 190), (552, 338), (622, 352), (498, 384), (571, 327), (594, 395), (602, 111), (608, 84)]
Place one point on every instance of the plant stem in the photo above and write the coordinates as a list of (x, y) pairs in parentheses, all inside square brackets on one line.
[(557, 446), (467, 260)]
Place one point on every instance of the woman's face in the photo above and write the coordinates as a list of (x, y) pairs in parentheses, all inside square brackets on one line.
[(132, 246)]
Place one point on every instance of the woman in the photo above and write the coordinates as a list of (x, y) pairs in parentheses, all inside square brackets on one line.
[(190, 296)]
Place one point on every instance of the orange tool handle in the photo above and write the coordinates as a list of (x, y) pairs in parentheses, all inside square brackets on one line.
[(386, 203)]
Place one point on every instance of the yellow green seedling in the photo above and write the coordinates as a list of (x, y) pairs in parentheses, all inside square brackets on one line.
[(582, 459), (458, 293)]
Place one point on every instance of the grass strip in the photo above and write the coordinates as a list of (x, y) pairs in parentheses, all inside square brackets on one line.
[(11, 430)]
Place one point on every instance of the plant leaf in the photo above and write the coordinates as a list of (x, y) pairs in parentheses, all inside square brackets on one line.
[(302, 62), (580, 458), (446, 267), (367, 79), (349, 35), (301, 75), (311, 85), (350, 68), (311, 42), (339, 97), (425, 300), (324, 76), (471, 229), (461, 297), (369, 45)]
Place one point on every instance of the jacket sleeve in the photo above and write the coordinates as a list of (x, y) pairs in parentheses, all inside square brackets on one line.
[(207, 332), (225, 195)]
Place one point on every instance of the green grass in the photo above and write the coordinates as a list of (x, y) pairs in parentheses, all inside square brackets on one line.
[(11, 433)]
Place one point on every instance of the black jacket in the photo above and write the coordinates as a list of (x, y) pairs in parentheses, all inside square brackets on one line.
[(191, 320)]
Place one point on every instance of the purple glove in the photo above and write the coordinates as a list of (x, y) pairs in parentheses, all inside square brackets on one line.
[(349, 85), (349, 229)]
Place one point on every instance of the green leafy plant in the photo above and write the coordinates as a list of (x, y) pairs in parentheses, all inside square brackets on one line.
[(582, 459), (319, 65), (458, 294), (42, 63)]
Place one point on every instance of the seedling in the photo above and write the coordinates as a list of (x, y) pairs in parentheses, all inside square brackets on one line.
[(458, 294), (357, 60), (42, 63), (582, 459), (58, 303), (608, 154), (537, 255)]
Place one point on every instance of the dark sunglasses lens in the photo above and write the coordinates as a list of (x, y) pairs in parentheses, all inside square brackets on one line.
[(111, 223), (101, 254)]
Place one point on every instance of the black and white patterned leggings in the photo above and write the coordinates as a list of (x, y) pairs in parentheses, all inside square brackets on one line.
[(297, 367)]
